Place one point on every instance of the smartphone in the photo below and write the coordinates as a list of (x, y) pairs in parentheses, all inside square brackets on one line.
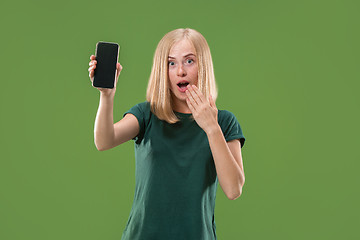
[(106, 54)]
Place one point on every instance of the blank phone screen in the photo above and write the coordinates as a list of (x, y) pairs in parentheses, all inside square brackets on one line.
[(106, 57)]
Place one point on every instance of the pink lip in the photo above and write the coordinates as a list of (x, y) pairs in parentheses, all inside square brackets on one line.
[(182, 89)]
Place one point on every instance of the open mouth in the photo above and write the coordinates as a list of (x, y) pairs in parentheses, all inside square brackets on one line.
[(182, 84)]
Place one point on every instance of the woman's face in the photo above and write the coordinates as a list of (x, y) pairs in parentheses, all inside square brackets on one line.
[(183, 68)]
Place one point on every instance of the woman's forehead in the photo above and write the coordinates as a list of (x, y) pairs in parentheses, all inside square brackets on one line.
[(182, 48)]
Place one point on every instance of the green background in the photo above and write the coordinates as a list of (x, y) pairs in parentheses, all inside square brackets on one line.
[(288, 70)]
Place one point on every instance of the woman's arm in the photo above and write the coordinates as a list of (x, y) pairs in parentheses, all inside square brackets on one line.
[(104, 129), (228, 163), (108, 135), (227, 156)]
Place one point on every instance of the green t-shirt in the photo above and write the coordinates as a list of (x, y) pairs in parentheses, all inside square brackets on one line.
[(175, 177)]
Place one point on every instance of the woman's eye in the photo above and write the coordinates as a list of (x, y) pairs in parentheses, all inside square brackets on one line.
[(171, 63), (189, 61)]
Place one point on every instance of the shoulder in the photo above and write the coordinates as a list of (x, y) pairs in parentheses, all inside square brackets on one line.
[(226, 119), (141, 111), (230, 126), (143, 114), (143, 106), (225, 116), (140, 108)]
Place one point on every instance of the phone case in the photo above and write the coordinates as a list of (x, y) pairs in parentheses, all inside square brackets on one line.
[(106, 54)]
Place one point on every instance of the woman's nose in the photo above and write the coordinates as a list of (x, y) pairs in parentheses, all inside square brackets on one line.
[(181, 71)]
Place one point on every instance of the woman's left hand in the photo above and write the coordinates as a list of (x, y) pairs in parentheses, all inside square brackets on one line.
[(204, 112)]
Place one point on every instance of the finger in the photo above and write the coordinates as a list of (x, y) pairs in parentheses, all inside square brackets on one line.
[(212, 102), (199, 97), (91, 68), (118, 67), (194, 94), (92, 57), (93, 62), (91, 71), (191, 99), (190, 105)]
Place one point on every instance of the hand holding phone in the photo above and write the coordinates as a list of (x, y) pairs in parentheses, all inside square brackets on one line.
[(104, 69)]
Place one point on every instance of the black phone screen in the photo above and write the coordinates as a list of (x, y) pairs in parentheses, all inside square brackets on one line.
[(105, 72)]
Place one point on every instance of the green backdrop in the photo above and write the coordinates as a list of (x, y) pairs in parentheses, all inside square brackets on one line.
[(288, 70)]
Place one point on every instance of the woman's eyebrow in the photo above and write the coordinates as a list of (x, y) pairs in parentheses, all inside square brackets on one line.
[(185, 55)]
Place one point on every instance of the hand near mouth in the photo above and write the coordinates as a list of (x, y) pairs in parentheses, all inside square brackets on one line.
[(204, 112)]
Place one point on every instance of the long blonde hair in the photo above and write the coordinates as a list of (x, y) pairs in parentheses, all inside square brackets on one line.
[(158, 89)]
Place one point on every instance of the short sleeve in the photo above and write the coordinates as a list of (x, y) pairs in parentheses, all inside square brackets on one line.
[(230, 126), (140, 111)]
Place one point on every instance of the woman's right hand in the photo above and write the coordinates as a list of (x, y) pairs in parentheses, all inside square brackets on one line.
[(107, 91)]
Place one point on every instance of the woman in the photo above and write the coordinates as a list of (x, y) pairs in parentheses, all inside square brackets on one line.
[(184, 145)]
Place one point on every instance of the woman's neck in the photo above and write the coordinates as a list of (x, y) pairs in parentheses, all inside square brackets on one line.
[(180, 106)]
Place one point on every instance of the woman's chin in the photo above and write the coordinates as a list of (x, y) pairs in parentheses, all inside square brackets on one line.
[(181, 98), (178, 96)]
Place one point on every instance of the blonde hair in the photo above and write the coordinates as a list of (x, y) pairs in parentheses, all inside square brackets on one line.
[(158, 89)]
